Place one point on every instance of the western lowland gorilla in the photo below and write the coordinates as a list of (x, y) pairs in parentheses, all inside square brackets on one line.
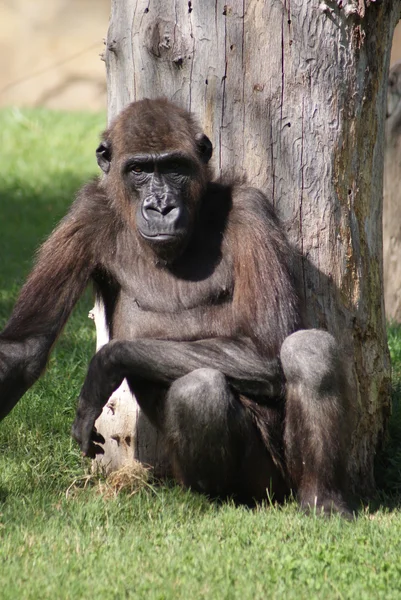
[(203, 315)]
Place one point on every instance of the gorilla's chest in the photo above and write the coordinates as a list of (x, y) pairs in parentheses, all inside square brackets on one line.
[(165, 290), (168, 306)]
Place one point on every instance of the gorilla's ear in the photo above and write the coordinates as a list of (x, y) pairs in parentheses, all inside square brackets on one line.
[(103, 155), (205, 148)]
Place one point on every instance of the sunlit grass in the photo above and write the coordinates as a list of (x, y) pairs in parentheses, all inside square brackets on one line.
[(61, 537)]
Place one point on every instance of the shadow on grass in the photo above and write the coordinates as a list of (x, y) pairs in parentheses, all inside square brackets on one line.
[(3, 495), (388, 461), (28, 215)]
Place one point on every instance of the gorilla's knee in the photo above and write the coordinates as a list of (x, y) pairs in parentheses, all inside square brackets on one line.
[(198, 405), (200, 381), (312, 357), (202, 419), (201, 395)]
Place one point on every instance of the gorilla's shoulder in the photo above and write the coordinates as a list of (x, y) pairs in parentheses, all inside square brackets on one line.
[(253, 202)]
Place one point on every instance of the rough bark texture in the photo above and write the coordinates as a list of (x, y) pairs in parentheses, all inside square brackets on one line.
[(292, 95), (392, 199)]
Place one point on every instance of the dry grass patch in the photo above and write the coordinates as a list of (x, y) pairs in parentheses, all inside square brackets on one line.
[(130, 479)]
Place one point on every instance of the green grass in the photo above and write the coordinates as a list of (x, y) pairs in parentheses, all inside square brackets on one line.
[(63, 542)]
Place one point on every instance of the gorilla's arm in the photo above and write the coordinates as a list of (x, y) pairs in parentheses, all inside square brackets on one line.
[(61, 273), (166, 361)]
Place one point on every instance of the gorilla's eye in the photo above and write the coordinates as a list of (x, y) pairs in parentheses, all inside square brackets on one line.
[(177, 167), (137, 169)]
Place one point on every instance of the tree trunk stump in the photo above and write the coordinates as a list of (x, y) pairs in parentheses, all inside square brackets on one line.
[(292, 95)]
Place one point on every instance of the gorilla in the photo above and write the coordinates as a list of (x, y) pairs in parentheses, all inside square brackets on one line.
[(204, 320)]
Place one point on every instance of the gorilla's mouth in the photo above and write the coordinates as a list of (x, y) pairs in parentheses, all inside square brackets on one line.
[(160, 237), (166, 245)]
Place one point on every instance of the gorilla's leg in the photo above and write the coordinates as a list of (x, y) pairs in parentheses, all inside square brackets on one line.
[(215, 445), (147, 361), (318, 421)]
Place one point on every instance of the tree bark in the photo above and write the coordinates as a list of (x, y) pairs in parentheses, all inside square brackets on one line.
[(392, 199), (292, 95)]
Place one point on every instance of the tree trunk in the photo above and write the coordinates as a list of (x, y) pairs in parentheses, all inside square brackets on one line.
[(392, 199), (292, 95)]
